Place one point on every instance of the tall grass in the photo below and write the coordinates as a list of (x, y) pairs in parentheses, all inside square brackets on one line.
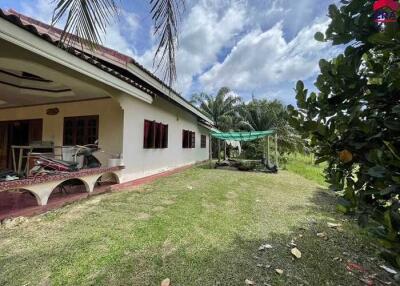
[(303, 165)]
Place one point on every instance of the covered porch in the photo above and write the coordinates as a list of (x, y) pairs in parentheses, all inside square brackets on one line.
[(46, 107)]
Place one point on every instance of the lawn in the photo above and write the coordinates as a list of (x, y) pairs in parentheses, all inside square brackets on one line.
[(199, 227)]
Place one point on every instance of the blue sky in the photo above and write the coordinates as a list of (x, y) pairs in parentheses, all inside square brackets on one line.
[(255, 47)]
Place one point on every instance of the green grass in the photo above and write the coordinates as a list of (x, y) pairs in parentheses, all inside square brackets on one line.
[(199, 227), (304, 166)]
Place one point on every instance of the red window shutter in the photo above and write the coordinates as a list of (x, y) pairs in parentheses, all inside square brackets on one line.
[(153, 134), (165, 136), (157, 135), (193, 145), (146, 134), (186, 139), (161, 135)]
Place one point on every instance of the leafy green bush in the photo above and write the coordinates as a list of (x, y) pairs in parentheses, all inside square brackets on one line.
[(354, 120)]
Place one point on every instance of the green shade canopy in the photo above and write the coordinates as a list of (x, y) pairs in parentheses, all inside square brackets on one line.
[(242, 136)]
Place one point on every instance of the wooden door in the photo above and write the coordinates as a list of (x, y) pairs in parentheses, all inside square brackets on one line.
[(3, 145)]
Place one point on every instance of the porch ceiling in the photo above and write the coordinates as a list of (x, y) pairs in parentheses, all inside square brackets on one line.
[(28, 79), (20, 88)]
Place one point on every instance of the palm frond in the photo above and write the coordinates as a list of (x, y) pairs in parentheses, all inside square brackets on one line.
[(86, 20), (166, 16)]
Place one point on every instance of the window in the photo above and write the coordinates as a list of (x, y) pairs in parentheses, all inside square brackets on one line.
[(188, 139), (203, 141), (81, 130), (155, 135)]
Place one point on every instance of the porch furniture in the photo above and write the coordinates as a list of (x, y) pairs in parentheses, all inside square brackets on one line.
[(22, 155)]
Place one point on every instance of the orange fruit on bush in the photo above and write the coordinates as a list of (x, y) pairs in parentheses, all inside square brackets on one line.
[(345, 156)]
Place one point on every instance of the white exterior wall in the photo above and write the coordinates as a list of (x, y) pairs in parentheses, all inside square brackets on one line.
[(110, 121), (121, 131), (140, 162)]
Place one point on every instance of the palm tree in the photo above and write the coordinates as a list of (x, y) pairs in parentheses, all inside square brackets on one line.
[(261, 115), (221, 108), (88, 18)]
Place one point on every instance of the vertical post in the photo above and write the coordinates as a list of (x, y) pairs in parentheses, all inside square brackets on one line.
[(14, 160), (224, 150), (219, 150), (265, 151), (276, 151), (268, 162)]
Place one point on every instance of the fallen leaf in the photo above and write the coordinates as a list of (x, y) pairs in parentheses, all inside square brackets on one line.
[(388, 269), (334, 225), (296, 253), (264, 247), (279, 271), (354, 267), (249, 282), (337, 259), (166, 282)]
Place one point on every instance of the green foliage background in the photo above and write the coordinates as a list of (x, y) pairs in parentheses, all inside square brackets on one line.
[(357, 108), (230, 113)]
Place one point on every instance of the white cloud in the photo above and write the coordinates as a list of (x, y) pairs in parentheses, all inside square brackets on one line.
[(41, 10), (209, 27), (120, 34), (262, 60)]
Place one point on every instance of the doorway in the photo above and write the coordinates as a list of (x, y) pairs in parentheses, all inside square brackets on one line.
[(20, 133)]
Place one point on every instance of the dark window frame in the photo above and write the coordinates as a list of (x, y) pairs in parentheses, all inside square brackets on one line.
[(86, 136), (203, 141), (188, 139), (155, 135)]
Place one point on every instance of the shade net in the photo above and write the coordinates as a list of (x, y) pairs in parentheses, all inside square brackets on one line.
[(242, 136)]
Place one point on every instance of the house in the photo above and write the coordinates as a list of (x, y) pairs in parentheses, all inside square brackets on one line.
[(70, 96)]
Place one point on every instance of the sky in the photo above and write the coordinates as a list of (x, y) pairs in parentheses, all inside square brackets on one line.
[(257, 48)]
